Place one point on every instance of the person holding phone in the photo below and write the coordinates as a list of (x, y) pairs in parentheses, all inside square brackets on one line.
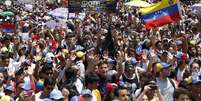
[(150, 92)]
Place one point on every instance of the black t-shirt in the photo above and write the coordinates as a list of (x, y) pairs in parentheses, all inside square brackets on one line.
[(133, 85)]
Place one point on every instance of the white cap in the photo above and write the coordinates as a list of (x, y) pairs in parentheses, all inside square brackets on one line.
[(49, 55)]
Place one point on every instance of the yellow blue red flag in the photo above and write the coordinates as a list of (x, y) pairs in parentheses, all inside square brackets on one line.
[(160, 13)]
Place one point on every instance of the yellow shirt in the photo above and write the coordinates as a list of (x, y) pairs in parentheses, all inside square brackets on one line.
[(96, 92), (6, 98), (155, 99)]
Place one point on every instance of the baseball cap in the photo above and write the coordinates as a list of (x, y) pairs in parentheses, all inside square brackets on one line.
[(80, 54), (133, 61), (49, 55), (26, 86), (166, 65), (37, 57), (179, 42), (192, 42), (86, 92), (181, 56), (65, 51), (56, 94), (4, 50), (111, 61), (152, 82), (39, 85), (139, 50), (9, 88), (110, 86), (159, 66), (79, 48)]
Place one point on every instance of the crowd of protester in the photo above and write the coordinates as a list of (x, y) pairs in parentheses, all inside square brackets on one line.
[(105, 57)]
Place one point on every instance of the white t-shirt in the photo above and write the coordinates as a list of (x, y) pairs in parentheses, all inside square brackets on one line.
[(25, 36), (81, 67), (79, 85), (13, 65), (166, 88), (93, 97), (180, 74)]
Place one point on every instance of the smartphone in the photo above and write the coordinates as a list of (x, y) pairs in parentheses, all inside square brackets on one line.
[(153, 87)]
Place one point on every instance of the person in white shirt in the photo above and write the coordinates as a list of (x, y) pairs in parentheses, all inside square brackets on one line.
[(79, 62), (166, 85)]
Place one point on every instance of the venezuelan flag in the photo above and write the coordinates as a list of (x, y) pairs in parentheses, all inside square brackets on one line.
[(161, 13), (7, 28)]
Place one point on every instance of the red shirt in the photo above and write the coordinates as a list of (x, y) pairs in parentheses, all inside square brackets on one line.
[(36, 37), (54, 44)]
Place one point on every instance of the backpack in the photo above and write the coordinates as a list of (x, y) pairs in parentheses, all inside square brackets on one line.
[(172, 82)]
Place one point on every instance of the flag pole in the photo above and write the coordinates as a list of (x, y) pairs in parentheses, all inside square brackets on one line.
[(68, 9), (182, 11)]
